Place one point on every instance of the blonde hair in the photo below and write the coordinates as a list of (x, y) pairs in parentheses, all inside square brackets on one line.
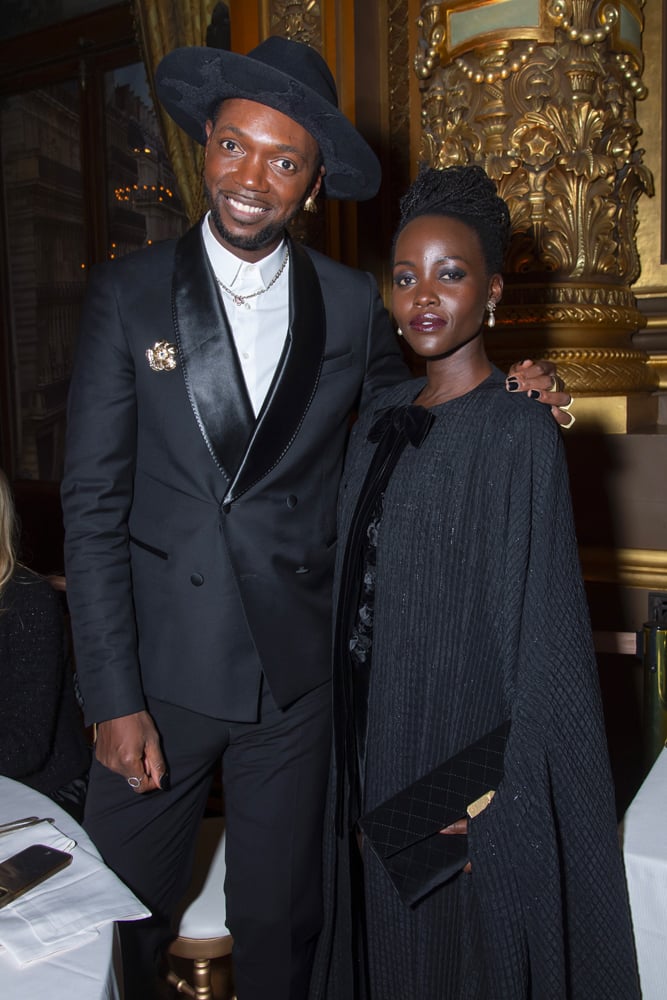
[(7, 532)]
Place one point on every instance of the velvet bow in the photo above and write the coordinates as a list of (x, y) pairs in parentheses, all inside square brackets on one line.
[(413, 421)]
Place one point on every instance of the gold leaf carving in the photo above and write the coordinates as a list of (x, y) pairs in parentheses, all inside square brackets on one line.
[(549, 112), (298, 19), (562, 116)]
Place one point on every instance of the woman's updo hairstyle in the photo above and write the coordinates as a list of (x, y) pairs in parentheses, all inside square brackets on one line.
[(465, 193)]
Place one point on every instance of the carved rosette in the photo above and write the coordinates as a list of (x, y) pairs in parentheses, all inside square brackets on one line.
[(297, 19), (548, 109)]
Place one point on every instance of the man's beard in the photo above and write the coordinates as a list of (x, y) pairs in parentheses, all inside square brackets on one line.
[(272, 233)]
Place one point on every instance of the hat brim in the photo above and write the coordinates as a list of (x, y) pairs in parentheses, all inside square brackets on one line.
[(190, 82)]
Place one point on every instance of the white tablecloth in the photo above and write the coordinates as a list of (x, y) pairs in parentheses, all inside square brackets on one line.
[(645, 853), (87, 973)]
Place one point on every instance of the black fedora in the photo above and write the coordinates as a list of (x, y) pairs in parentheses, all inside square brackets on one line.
[(287, 76)]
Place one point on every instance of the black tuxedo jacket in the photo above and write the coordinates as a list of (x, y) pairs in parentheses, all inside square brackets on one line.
[(200, 541)]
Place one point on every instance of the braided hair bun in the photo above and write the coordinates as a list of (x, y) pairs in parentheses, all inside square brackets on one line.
[(465, 193)]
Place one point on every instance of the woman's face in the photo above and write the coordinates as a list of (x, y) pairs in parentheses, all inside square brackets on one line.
[(440, 286)]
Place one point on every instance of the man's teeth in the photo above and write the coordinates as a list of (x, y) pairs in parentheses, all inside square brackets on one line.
[(242, 207)]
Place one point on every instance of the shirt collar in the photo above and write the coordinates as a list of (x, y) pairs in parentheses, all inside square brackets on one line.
[(228, 267)]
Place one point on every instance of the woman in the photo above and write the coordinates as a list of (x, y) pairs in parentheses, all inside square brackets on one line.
[(461, 616), (42, 741)]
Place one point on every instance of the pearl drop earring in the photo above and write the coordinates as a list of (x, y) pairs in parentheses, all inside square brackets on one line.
[(491, 306)]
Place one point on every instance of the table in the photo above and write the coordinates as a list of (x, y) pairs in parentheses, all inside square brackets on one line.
[(87, 973), (645, 854)]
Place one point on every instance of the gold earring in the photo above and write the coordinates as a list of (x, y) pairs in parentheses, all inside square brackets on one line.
[(310, 204), (491, 306)]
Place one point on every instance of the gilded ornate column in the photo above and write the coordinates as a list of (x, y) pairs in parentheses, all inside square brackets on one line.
[(542, 94), (651, 287)]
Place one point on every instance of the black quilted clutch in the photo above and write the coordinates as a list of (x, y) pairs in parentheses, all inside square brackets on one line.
[(404, 831)]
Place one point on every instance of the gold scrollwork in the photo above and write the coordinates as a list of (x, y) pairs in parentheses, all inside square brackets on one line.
[(298, 19), (549, 111), (552, 122)]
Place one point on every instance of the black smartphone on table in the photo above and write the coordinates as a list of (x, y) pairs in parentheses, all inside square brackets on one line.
[(25, 870)]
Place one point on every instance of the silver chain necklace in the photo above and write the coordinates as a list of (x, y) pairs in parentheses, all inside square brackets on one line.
[(242, 300)]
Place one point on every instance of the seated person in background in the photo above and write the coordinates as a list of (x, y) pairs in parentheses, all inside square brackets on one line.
[(42, 740)]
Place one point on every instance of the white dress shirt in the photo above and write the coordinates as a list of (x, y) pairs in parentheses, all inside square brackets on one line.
[(259, 326)]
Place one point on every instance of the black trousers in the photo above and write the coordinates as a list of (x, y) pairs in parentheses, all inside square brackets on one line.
[(274, 779)]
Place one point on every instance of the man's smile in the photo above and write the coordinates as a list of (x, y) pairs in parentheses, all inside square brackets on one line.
[(244, 207)]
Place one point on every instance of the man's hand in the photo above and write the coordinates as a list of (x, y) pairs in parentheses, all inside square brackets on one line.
[(130, 746), (541, 379)]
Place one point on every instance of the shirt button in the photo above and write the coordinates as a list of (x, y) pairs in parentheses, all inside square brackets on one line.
[(291, 501), (246, 356), (196, 579)]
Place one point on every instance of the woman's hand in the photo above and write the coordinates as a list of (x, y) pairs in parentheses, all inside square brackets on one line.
[(540, 379), (460, 827)]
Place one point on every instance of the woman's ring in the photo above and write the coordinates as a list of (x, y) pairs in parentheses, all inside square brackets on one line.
[(572, 417), (134, 782)]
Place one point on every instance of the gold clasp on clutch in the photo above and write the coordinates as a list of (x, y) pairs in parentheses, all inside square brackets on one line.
[(480, 804)]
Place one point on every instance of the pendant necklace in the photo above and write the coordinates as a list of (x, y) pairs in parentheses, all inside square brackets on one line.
[(242, 300)]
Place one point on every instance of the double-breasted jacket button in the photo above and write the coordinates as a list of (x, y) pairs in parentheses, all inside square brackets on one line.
[(196, 579), (291, 501)]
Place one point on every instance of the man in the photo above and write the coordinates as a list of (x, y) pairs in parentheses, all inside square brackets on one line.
[(207, 422)]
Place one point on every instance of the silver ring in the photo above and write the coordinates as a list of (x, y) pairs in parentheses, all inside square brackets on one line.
[(134, 782)]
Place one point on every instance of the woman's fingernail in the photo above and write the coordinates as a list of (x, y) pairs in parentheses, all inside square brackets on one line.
[(512, 384), (534, 394)]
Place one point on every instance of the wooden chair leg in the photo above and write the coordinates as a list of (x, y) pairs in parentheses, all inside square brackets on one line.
[(201, 978), (180, 985)]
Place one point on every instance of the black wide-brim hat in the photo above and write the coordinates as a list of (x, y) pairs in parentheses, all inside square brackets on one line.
[(289, 77)]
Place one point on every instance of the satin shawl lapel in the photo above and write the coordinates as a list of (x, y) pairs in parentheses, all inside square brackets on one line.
[(212, 373), (296, 378)]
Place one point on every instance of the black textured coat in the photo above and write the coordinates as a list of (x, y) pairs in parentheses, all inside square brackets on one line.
[(41, 729), (480, 615)]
